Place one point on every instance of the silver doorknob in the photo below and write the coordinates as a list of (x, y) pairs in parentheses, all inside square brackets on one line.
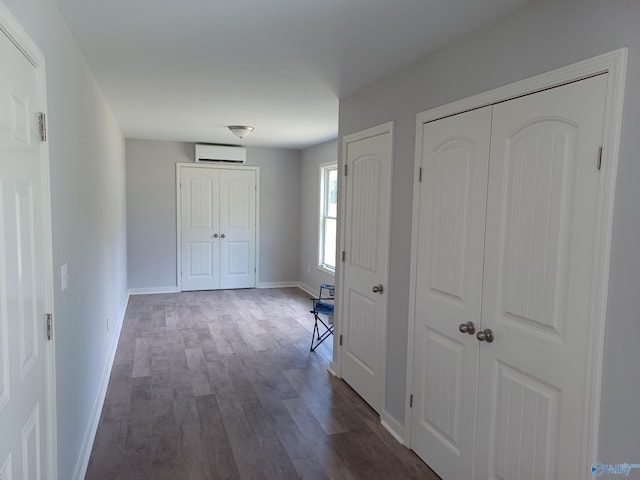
[(485, 335), (223, 236), (215, 235), (468, 327), (377, 289)]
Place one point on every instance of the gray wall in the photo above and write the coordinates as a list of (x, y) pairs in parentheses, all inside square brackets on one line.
[(541, 36), (86, 150), (310, 275), (151, 212), (279, 213)]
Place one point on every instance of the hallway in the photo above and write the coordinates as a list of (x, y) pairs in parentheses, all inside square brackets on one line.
[(221, 385)]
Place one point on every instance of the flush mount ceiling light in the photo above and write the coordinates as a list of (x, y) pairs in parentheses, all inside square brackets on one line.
[(240, 131)]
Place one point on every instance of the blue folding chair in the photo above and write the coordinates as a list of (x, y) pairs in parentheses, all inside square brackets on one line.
[(323, 305)]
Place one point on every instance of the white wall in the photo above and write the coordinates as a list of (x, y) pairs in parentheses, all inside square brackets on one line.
[(310, 275), (151, 212), (86, 149), (541, 36)]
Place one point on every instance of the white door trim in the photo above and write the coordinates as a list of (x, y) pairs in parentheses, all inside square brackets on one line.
[(179, 167), (320, 238), (614, 64), (14, 31), (335, 366)]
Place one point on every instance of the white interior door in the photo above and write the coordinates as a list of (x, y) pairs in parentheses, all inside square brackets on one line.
[(24, 423), (452, 210), (366, 242), (540, 249), (200, 228), (237, 228)]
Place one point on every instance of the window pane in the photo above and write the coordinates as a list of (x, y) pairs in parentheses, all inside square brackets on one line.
[(329, 257), (332, 193)]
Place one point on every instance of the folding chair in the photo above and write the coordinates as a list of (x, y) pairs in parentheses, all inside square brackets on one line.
[(323, 305)]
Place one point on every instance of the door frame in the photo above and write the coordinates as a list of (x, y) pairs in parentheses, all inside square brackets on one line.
[(335, 366), (10, 26), (614, 64), (210, 166)]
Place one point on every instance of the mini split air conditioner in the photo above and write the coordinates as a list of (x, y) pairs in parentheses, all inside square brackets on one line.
[(221, 154)]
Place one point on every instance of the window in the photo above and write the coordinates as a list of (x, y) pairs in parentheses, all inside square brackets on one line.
[(328, 216)]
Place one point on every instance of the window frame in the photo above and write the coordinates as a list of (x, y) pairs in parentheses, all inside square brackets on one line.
[(324, 170)]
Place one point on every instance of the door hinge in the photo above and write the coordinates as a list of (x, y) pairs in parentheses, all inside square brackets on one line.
[(49, 326), (42, 122), (411, 401), (420, 174), (344, 255), (340, 340), (346, 169), (600, 158)]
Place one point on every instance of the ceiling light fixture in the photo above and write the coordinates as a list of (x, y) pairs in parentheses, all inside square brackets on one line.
[(240, 131)]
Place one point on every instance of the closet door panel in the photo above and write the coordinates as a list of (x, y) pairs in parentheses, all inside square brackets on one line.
[(539, 264), (199, 224), (455, 163), (237, 228)]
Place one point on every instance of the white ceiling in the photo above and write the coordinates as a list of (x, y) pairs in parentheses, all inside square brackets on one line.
[(184, 69)]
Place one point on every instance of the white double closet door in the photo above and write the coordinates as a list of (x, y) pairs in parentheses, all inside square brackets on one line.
[(507, 228), (218, 227)]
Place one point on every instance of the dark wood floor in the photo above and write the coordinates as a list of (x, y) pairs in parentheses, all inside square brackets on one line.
[(221, 385)]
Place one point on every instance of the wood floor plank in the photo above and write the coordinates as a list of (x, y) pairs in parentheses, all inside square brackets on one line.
[(219, 455), (108, 451), (221, 385)]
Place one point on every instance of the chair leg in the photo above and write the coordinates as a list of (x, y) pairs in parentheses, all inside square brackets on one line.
[(316, 333), (313, 334)]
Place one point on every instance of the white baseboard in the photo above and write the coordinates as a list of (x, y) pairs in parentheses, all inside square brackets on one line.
[(158, 290), (395, 428), (332, 369), (87, 445), (153, 290), (311, 291), (277, 284)]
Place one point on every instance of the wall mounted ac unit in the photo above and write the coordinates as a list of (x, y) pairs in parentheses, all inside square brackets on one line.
[(220, 154)]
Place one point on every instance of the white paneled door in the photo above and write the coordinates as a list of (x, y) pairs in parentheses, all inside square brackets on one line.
[(200, 224), (364, 290), (507, 402), (542, 209), (24, 247), (238, 228), (449, 283), (218, 228)]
